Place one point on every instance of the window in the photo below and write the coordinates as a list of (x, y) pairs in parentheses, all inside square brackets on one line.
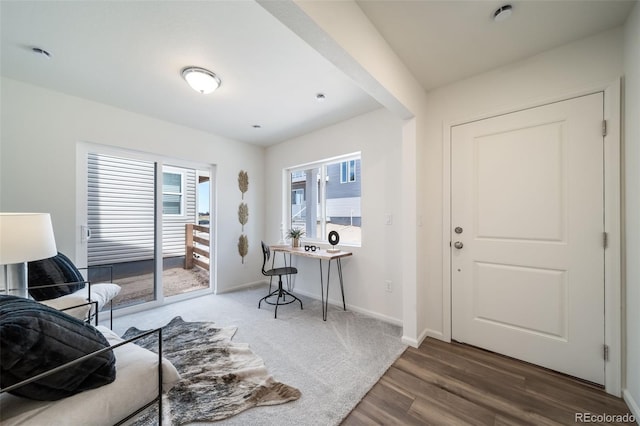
[(172, 192), (297, 196), (325, 196), (348, 171)]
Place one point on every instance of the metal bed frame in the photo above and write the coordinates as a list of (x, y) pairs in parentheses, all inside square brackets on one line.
[(157, 399), (88, 284)]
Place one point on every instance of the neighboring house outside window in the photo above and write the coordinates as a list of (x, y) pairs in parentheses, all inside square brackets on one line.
[(172, 192), (121, 194), (326, 196), (348, 171)]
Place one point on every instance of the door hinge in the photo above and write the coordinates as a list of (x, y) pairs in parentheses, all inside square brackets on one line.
[(604, 127), (605, 352), (605, 239)]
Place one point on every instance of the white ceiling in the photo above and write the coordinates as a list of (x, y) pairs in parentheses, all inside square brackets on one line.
[(448, 40), (129, 54)]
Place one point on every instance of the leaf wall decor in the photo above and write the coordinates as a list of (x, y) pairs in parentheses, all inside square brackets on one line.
[(243, 182), (243, 246), (243, 214)]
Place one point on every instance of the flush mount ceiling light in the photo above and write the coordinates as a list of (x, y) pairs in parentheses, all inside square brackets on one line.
[(503, 13), (201, 80)]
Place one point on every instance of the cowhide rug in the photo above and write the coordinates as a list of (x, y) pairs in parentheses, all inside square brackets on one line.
[(220, 378)]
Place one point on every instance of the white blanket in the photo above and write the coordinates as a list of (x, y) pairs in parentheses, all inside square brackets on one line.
[(136, 384)]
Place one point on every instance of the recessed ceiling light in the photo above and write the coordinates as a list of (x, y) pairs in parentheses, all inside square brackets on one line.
[(503, 13), (41, 52), (201, 80), (320, 97)]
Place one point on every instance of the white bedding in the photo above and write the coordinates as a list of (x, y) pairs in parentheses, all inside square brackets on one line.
[(136, 384), (102, 293)]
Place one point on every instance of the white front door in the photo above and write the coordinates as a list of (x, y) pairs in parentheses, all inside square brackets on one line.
[(527, 219)]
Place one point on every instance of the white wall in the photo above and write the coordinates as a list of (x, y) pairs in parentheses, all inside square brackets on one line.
[(378, 135), (341, 32), (563, 71), (40, 131), (632, 213)]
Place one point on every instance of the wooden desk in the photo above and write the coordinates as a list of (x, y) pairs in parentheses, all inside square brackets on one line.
[(320, 255)]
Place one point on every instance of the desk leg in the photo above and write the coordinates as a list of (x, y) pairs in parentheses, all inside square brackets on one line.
[(273, 262), (289, 279), (325, 295), (344, 306), (323, 301), (326, 299), (324, 316)]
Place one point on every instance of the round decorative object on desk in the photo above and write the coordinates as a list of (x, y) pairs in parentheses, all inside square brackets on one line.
[(334, 239)]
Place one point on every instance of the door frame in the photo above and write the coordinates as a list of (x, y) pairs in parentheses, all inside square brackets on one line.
[(612, 223), (82, 150)]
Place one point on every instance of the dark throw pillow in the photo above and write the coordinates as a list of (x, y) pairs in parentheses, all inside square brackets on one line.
[(54, 270), (36, 338)]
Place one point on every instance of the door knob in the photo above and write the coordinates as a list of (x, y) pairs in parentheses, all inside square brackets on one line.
[(458, 245)]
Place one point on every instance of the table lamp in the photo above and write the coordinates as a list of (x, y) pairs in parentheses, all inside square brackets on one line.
[(24, 237)]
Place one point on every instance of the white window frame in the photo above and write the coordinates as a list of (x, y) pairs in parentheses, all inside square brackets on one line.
[(347, 178), (174, 171), (322, 178)]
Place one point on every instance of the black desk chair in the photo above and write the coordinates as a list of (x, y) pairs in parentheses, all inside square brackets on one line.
[(280, 292)]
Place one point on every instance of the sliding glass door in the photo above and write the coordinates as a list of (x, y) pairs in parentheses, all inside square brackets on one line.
[(122, 225), (185, 243), (145, 220)]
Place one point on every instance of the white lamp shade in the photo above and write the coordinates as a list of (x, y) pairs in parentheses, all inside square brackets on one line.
[(25, 237), (201, 80)]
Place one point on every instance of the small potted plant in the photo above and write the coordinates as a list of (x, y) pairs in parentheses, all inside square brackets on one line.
[(295, 234)]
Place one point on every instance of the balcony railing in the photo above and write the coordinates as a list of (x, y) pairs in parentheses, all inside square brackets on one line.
[(196, 238)]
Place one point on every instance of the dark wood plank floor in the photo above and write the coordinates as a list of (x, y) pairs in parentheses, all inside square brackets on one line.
[(455, 384)]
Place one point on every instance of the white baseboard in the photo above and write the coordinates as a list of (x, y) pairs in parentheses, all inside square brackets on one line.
[(439, 335), (243, 286), (376, 315), (409, 341), (425, 333), (354, 308), (632, 404), (414, 342), (381, 317)]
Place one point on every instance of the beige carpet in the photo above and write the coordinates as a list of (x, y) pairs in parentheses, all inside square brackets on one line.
[(332, 363)]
